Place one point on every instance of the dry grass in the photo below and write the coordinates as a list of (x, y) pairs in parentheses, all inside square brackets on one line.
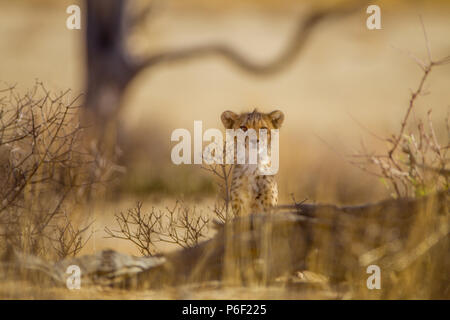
[(416, 162), (179, 225)]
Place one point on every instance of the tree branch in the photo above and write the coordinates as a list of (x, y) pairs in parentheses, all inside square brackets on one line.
[(288, 55)]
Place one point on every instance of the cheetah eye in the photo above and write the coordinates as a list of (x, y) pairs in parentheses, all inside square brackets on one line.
[(243, 128)]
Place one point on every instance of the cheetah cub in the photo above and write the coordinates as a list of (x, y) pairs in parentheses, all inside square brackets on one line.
[(251, 191)]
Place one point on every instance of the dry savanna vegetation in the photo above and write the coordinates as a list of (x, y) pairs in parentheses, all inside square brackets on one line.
[(375, 192)]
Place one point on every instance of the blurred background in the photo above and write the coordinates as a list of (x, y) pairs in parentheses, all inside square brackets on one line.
[(346, 84)]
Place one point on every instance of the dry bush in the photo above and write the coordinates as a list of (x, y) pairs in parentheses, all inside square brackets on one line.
[(222, 206), (180, 225), (407, 239), (44, 171), (415, 163)]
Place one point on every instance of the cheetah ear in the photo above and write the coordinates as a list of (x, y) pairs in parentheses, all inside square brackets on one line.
[(277, 118), (228, 118)]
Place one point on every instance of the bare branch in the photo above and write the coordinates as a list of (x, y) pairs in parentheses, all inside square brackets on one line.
[(415, 163), (288, 55), (44, 171), (179, 225)]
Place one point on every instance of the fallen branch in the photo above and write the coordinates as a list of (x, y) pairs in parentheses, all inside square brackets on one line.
[(260, 248)]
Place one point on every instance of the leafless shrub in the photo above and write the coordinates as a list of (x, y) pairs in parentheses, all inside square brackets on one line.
[(44, 170), (222, 172), (68, 239), (180, 225), (415, 163)]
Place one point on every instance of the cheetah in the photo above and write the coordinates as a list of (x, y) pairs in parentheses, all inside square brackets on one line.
[(251, 191)]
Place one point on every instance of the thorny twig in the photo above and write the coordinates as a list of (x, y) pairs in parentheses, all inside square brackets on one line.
[(411, 175)]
